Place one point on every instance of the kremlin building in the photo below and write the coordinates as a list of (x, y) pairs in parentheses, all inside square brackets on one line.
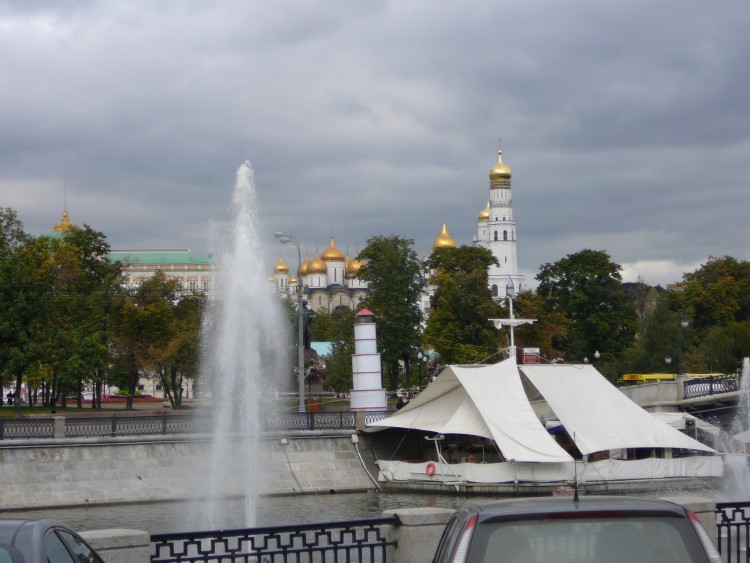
[(330, 279)]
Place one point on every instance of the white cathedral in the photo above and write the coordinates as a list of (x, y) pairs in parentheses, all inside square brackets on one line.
[(330, 280)]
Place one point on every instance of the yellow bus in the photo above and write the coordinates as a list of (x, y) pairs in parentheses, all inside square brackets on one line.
[(641, 378)]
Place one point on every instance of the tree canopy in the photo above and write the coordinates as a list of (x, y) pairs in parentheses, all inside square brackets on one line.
[(458, 327), (393, 271), (586, 288)]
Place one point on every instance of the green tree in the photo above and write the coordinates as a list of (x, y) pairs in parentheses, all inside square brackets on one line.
[(717, 293), (340, 332), (25, 297), (459, 328), (586, 288), (550, 330), (142, 328), (85, 285), (393, 271), (12, 238)]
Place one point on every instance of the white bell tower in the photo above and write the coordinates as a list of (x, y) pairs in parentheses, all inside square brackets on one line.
[(496, 230)]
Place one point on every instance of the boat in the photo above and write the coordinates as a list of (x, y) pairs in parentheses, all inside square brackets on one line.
[(474, 429)]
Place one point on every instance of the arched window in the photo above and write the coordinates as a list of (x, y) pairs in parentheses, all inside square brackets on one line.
[(495, 235), (494, 290), (505, 235)]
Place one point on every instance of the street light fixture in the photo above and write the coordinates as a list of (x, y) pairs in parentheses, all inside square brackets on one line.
[(286, 239), (683, 325)]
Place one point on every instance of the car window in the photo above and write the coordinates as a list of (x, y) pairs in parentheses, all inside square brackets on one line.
[(56, 550), (10, 554), (580, 540), (83, 553)]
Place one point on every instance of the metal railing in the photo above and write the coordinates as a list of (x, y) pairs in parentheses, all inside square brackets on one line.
[(25, 428), (711, 385), (170, 424), (355, 541), (733, 531)]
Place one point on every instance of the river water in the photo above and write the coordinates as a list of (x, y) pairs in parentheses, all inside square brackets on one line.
[(175, 517)]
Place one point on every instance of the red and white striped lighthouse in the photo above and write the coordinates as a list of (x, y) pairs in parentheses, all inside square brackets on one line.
[(368, 393)]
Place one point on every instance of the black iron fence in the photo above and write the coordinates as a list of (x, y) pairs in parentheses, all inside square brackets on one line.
[(24, 428), (355, 541), (711, 385), (733, 531), (169, 424)]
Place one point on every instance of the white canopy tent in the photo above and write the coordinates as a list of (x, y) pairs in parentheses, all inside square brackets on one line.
[(679, 421), (483, 400), (599, 417), (489, 401)]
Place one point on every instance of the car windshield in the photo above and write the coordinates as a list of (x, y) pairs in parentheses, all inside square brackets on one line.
[(583, 540)]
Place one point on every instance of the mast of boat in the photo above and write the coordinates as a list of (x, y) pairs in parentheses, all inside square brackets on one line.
[(512, 321)]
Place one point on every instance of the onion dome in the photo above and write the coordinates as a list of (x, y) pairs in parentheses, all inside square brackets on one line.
[(303, 266), (484, 214), (500, 171), (444, 240), (281, 267), (332, 254), (352, 268), (316, 266), (292, 281), (64, 225)]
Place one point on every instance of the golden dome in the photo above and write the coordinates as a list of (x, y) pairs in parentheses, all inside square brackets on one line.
[(317, 266), (484, 214), (281, 267), (500, 170), (64, 225), (333, 254), (303, 266), (292, 281), (444, 240), (352, 268)]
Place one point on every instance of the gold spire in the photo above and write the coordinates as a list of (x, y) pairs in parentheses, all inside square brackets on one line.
[(444, 240), (332, 254), (65, 224), (317, 266), (352, 268), (281, 267), (500, 171), (484, 214)]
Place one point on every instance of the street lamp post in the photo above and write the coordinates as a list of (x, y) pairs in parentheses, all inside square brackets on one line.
[(286, 239), (683, 325)]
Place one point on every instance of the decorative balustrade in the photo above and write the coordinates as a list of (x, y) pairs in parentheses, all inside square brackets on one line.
[(733, 531), (170, 424), (355, 540), (711, 385)]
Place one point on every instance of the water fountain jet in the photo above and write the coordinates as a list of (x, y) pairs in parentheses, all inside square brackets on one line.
[(244, 357), (737, 468)]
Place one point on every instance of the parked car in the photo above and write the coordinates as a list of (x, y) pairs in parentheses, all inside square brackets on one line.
[(43, 541), (586, 530)]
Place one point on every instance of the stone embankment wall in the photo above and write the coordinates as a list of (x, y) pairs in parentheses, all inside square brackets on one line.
[(95, 471)]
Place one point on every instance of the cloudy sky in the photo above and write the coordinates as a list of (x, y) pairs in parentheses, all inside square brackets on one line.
[(626, 122)]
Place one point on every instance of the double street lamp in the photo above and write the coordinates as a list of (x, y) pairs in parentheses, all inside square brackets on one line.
[(286, 239)]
